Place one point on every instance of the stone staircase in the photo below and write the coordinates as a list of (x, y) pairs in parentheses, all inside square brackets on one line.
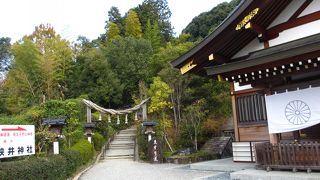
[(122, 146), (221, 146)]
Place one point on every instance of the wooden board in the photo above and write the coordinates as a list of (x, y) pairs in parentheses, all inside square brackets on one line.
[(256, 133)]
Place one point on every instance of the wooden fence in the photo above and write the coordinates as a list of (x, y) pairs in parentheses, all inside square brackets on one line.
[(302, 156)]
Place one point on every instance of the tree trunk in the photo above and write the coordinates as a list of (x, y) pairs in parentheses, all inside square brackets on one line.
[(174, 113), (195, 139)]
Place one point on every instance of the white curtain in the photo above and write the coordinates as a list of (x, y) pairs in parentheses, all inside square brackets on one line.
[(294, 110)]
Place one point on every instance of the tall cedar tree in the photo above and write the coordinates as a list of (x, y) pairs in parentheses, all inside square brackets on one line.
[(157, 11), (132, 25), (152, 33)]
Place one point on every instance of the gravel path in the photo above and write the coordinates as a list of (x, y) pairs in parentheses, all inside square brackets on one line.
[(119, 169)]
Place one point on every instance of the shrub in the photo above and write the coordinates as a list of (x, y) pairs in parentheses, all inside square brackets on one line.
[(73, 159), (98, 141), (53, 167), (85, 149)]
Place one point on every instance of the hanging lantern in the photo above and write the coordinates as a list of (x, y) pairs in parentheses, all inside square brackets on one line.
[(136, 116), (109, 118), (126, 121), (100, 117), (118, 119)]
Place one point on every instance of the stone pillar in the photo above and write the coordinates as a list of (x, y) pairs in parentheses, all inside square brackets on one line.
[(55, 147), (126, 120)]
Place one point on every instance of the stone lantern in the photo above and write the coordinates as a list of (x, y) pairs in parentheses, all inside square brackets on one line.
[(149, 128), (55, 125), (89, 130)]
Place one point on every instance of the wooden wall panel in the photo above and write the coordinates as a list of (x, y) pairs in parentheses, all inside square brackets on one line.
[(255, 133)]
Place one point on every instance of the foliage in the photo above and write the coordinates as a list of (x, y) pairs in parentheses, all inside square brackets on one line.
[(113, 31), (23, 85), (129, 58), (159, 92), (142, 143), (73, 160), (14, 119), (85, 149), (98, 141), (156, 11), (5, 55), (195, 115), (114, 16), (54, 61), (93, 75), (207, 22), (152, 33), (50, 168), (132, 25)]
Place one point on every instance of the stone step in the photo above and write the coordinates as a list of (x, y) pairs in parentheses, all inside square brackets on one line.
[(120, 157), (126, 135), (122, 146), (121, 138), (121, 142), (128, 131), (119, 152)]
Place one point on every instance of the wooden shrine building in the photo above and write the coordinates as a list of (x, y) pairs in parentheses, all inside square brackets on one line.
[(269, 52)]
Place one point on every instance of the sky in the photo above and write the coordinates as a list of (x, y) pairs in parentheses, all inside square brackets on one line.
[(71, 18)]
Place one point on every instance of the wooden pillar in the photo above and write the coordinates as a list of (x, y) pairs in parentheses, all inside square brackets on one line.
[(144, 112), (273, 138), (234, 112), (88, 114)]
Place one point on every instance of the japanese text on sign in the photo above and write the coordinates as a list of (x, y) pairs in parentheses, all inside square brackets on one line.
[(16, 140)]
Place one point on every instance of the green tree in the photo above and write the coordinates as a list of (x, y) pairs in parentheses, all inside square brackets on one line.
[(159, 93), (207, 22), (152, 33), (54, 62), (23, 82), (130, 59), (92, 75), (157, 11), (194, 116), (133, 25), (5, 55), (113, 31), (114, 16)]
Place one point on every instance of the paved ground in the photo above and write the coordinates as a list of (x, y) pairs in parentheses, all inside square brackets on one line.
[(119, 169)]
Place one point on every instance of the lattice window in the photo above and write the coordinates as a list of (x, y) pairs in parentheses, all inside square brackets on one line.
[(252, 108)]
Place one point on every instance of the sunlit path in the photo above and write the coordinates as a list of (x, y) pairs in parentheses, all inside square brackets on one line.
[(128, 169)]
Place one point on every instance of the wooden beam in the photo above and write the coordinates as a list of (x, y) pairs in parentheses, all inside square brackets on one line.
[(274, 31), (301, 9)]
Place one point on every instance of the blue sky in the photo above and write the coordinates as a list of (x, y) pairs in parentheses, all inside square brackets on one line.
[(72, 18)]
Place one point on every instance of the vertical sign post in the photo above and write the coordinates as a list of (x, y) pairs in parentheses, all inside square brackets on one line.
[(16, 140)]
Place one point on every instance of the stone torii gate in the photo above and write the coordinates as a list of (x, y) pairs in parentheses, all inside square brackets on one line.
[(90, 105)]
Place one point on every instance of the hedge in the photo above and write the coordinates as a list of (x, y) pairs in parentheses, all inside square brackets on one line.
[(86, 150), (52, 167), (73, 160), (98, 141)]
